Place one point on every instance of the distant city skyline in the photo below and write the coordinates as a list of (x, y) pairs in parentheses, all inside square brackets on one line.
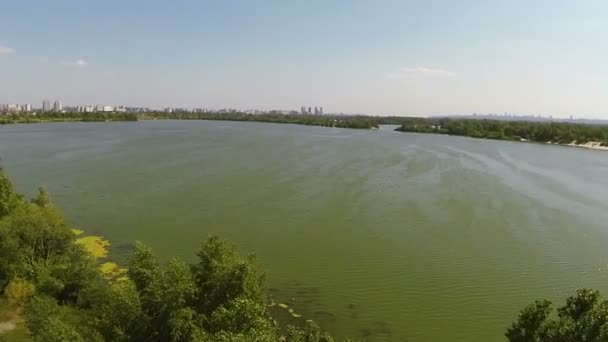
[(408, 58), (57, 105)]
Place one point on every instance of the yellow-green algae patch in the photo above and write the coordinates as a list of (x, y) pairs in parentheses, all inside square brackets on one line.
[(286, 307), (96, 245), (111, 269)]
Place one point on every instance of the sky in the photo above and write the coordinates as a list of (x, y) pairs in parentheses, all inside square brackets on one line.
[(542, 57)]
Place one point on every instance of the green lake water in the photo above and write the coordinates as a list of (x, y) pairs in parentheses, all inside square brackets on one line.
[(378, 235)]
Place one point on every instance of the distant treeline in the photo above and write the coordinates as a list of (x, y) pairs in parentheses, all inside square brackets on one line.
[(65, 116), (359, 122), (355, 121), (554, 132)]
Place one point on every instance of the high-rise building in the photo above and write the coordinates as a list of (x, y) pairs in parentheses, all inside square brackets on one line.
[(13, 108), (27, 107), (46, 105), (309, 110), (57, 107), (320, 110)]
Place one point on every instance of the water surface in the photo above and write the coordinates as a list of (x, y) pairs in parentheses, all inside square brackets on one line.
[(378, 235)]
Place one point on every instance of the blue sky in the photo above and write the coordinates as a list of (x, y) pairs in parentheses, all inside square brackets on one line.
[(379, 57)]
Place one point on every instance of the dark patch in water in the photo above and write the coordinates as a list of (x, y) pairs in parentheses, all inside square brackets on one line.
[(324, 315), (307, 291), (351, 306), (365, 332), (121, 251), (381, 328)]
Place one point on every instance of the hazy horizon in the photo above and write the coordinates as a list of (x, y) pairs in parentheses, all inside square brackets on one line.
[(387, 57)]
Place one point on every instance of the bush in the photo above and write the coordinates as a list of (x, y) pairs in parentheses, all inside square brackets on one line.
[(18, 291)]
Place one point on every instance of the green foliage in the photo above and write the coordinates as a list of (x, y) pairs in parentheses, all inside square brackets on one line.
[(241, 316), (584, 317), (10, 260), (562, 133), (343, 121), (49, 321), (43, 198), (530, 325), (220, 295), (66, 116), (41, 234), (18, 291), (222, 275), (309, 333), (56, 330), (120, 312), (9, 200), (76, 273), (144, 268)]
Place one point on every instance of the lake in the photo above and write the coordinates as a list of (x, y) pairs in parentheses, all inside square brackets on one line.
[(377, 235)]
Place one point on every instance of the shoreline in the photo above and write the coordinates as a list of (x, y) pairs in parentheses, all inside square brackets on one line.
[(350, 122), (591, 145)]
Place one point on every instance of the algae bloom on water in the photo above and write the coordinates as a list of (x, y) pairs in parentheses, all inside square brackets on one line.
[(112, 270), (96, 245)]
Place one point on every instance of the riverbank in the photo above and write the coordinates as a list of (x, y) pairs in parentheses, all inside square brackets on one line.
[(65, 117), (338, 121), (592, 145), (566, 134)]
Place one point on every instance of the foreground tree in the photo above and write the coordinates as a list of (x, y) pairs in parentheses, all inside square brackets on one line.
[(219, 297), (9, 200), (583, 318)]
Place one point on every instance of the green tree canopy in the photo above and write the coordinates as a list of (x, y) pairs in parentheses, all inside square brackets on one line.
[(583, 318)]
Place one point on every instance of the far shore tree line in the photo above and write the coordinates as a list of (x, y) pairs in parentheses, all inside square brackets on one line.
[(341, 121), (544, 132)]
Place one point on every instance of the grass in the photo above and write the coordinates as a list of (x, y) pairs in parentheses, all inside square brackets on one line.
[(9, 318)]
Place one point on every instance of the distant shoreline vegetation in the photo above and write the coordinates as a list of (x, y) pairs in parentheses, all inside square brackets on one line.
[(353, 121), (65, 117), (571, 134), (590, 136)]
